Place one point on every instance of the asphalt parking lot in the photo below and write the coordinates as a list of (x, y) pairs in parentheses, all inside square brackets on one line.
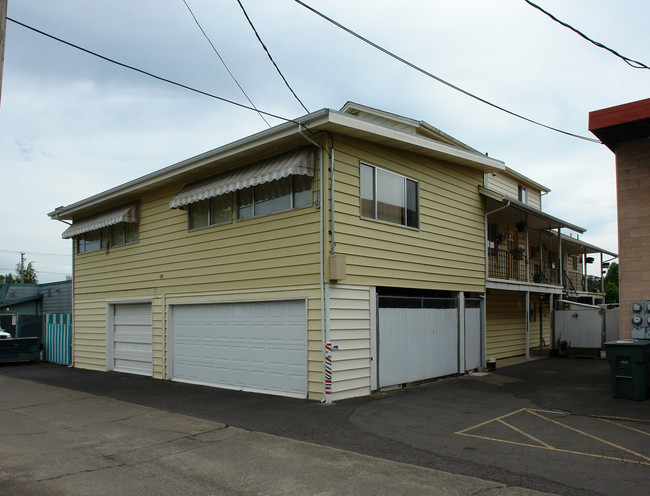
[(549, 425)]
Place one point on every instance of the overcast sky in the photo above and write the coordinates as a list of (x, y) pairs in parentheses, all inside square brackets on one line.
[(73, 125)]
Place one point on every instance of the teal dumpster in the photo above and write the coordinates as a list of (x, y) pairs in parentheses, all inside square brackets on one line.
[(628, 359)]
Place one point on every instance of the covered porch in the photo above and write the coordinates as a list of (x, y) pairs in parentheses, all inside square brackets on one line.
[(527, 247)]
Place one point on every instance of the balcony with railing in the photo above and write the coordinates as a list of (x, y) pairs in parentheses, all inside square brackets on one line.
[(514, 265), (574, 283)]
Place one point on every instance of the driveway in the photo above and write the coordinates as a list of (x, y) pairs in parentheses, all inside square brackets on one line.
[(548, 425)]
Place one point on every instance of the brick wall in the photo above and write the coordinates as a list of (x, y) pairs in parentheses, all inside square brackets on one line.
[(633, 189)]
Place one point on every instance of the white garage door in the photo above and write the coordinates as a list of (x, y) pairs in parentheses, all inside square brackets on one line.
[(252, 346), (132, 339)]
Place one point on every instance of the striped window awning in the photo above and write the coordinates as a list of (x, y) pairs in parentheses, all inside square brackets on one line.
[(293, 163), (126, 213)]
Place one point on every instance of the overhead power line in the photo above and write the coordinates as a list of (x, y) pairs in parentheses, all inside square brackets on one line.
[(631, 62), (16, 252), (269, 54), (159, 78), (224, 62), (439, 79)]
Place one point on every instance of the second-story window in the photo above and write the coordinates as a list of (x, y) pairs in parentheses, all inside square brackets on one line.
[(389, 197), (210, 212), (522, 194), (120, 234), (274, 196)]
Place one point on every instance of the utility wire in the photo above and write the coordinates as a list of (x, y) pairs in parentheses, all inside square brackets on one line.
[(631, 62), (269, 54), (34, 253), (160, 78), (224, 62), (440, 80)]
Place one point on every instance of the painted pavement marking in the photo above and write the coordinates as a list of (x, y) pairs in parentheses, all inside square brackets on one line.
[(540, 444)]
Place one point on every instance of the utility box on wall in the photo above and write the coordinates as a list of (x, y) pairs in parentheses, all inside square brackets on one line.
[(640, 315)]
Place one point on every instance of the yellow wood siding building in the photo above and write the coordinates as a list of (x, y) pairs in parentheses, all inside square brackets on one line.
[(292, 325), (445, 253)]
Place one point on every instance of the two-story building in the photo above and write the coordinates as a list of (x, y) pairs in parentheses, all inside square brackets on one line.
[(324, 258), (531, 263)]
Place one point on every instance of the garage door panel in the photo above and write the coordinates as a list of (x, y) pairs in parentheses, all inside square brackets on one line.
[(135, 335), (132, 339), (258, 346), (416, 344)]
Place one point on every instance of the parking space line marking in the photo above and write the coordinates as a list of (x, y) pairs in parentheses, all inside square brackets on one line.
[(486, 438), (606, 417), (624, 426), (619, 418), (516, 429), (592, 436), (559, 450), (490, 421), (545, 446)]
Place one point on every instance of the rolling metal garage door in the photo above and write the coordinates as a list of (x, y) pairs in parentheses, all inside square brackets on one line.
[(252, 346), (132, 349), (417, 339)]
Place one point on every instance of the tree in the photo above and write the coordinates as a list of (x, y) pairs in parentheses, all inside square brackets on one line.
[(611, 284), (612, 274), (611, 292), (29, 275), (28, 272)]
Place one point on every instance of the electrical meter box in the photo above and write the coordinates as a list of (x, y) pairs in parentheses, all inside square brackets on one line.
[(640, 315)]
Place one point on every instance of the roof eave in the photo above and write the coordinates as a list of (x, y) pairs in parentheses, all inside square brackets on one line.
[(170, 173), (413, 142), (26, 299), (321, 120), (526, 180), (588, 246), (554, 221)]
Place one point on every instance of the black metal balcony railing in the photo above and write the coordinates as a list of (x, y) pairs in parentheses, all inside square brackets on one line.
[(504, 264), (545, 272), (574, 282)]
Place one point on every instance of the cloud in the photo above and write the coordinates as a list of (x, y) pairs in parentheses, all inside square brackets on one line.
[(72, 125)]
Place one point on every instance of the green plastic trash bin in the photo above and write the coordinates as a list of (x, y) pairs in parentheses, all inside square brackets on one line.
[(628, 359)]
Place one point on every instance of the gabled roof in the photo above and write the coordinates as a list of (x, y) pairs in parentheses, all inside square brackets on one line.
[(421, 128), (270, 142)]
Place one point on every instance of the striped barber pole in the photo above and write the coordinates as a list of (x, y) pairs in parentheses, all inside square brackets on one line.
[(328, 371), (57, 337)]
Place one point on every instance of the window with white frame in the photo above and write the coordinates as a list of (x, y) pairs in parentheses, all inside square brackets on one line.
[(389, 197)]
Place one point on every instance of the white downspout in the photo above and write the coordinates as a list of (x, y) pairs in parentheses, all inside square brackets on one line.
[(332, 199), (323, 310)]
